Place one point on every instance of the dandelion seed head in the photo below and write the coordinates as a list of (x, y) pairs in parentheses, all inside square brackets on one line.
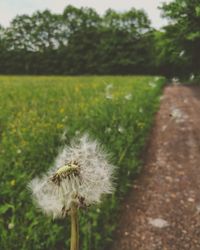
[(80, 175)]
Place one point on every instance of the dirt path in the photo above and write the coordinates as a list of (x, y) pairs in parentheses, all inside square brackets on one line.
[(162, 211)]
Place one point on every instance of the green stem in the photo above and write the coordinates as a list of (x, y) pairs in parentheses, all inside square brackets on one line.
[(74, 229)]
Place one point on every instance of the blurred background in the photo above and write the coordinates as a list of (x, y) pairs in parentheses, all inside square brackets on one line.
[(107, 37)]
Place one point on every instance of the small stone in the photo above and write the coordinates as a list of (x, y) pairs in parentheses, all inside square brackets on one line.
[(158, 222), (126, 233), (198, 207), (164, 127), (191, 200), (173, 195), (168, 178)]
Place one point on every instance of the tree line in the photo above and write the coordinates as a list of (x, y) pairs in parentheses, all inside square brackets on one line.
[(80, 41)]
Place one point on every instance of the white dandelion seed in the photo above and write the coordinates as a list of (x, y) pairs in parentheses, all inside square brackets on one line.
[(64, 135), (19, 151), (141, 110), (178, 115), (162, 98), (152, 84), (65, 118), (182, 53), (108, 91), (109, 87), (120, 129), (77, 132), (11, 225), (109, 96), (108, 130), (80, 176), (192, 76), (175, 81), (183, 5), (156, 78), (128, 97)]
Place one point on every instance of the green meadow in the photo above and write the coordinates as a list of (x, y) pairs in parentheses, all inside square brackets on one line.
[(38, 115)]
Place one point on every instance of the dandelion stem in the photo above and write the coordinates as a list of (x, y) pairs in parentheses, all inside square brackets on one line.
[(74, 228)]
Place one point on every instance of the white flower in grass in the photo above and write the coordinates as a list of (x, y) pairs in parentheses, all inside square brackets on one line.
[(77, 132), (108, 93), (109, 87), (128, 97), (108, 130), (141, 110), (19, 151), (80, 176), (120, 129), (64, 135), (109, 96), (152, 84), (183, 4), (156, 78), (11, 225)]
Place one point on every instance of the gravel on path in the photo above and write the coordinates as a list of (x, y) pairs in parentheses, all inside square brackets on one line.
[(162, 209)]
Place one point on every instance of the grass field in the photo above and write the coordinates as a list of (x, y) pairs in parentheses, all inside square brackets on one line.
[(40, 114)]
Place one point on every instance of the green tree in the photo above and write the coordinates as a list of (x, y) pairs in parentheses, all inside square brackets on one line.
[(79, 41), (182, 36), (124, 48)]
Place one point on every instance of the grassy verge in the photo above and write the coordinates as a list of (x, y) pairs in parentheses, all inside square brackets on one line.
[(40, 114)]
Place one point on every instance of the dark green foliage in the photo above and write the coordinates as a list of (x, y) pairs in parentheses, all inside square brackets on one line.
[(178, 47), (79, 41)]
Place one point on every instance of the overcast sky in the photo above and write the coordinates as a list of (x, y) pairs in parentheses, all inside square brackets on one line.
[(10, 8)]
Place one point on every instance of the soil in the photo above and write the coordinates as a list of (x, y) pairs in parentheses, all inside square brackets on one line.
[(162, 209)]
